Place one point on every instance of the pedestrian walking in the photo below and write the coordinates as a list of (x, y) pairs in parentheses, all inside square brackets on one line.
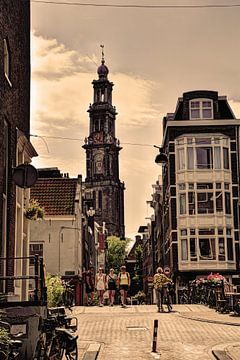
[(100, 285), (111, 286), (89, 285), (124, 283), (159, 281)]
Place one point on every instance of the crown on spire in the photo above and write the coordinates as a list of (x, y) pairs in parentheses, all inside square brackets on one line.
[(102, 69)]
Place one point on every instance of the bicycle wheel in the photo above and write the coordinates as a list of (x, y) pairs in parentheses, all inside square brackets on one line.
[(56, 349), (40, 352), (71, 353)]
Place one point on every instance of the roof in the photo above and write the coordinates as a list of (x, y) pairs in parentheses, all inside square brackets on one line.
[(56, 195), (222, 109)]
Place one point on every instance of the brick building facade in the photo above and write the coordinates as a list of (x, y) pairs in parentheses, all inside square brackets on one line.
[(15, 147)]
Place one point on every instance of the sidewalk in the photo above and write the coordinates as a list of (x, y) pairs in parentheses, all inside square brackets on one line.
[(223, 351), (188, 333)]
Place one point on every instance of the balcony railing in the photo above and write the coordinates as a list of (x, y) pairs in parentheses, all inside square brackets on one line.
[(37, 296)]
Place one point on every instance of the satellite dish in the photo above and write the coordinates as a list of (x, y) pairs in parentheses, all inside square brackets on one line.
[(25, 175)]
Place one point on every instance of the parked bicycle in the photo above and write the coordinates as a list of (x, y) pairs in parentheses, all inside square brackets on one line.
[(11, 345), (68, 294), (57, 339), (183, 297)]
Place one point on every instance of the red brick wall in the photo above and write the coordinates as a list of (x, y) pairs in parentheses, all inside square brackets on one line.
[(15, 99)]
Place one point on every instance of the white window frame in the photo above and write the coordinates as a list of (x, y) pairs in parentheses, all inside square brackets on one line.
[(200, 108)]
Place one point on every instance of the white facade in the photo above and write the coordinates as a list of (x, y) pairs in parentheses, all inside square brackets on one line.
[(58, 238), (204, 203), (24, 154)]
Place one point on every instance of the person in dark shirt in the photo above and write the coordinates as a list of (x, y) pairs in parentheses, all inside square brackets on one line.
[(89, 284)]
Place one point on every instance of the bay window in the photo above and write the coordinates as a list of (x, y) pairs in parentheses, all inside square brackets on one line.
[(182, 204), (181, 159), (190, 158), (184, 249), (191, 203), (230, 248), (203, 153), (206, 244), (225, 158), (204, 158), (193, 249), (227, 203), (221, 249), (205, 203)]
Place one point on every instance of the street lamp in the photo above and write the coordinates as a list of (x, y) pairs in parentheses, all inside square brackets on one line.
[(162, 157)]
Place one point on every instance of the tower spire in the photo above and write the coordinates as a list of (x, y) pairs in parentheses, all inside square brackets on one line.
[(103, 60), (102, 69)]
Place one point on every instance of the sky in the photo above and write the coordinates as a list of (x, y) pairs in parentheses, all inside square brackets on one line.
[(153, 55)]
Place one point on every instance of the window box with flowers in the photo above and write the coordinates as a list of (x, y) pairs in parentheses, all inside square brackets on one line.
[(34, 211)]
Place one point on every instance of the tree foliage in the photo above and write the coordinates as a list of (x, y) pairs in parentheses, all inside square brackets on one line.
[(55, 290), (116, 253)]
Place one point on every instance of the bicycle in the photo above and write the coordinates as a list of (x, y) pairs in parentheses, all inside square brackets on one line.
[(68, 295), (10, 347), (183, 298), (57, 339), (167, 298)]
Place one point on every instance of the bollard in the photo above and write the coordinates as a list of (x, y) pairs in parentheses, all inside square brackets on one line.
[(155, 330)]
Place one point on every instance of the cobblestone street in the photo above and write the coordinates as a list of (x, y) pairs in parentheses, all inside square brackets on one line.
[(189, 333)]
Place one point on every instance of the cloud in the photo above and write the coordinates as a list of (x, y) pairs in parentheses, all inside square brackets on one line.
[(61, 92)]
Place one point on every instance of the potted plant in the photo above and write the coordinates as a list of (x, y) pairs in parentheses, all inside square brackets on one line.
[(34, 211)]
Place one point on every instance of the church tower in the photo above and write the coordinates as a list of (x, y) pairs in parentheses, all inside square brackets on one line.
[(102, 183)]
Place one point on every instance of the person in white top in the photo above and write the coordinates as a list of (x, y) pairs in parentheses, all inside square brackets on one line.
[(100, 285), (124, 283)]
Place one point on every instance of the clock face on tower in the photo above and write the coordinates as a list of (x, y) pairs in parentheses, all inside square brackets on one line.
[(98, 138)]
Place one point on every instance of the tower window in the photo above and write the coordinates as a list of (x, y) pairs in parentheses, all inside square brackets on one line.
[(100, 199), (6, 60), (201, 109)]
